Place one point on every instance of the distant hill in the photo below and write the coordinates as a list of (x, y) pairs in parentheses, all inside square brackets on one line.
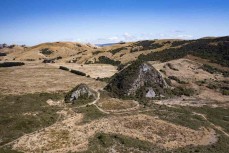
[(213, 48)]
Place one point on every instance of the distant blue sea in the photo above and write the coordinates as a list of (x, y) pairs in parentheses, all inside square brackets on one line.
[(104, 45)]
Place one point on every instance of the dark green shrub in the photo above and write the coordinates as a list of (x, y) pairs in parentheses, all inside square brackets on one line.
[(46, 51), (10, 64), (88, 62), (78, 72), (225, 92), (177, 79), (179, 91), (64, 68), (171, 67), (213, 70), (212, 86), (147, 45), (106, 60), (168, 81), (163, 71), (114, 51), (2, 54), (96, 52)]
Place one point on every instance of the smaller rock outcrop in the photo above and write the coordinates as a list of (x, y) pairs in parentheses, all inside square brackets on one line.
[(80, 92)]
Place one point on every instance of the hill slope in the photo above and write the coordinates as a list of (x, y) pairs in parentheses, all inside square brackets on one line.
[(214, 49)]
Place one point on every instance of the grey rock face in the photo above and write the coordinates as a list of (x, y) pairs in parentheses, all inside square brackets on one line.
[(147, 76), (150, 93), (138, 79)]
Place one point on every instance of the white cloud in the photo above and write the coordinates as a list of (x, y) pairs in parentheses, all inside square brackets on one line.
[(185, 36), (128, 37), (113, 38)]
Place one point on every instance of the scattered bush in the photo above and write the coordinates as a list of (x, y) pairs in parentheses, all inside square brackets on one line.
[(88, 62), (64, 68), (168, 81), (107, 79), (114, 51), (212, 86), (147, 45), (106, 60), (46, 51), (11, 46), (96, 52), (10, 64), (177, 79), (224, 90), (121, 55), (78, 72), (179, 91), (2, 54), (163, 71), (172, 67), (30, 60), (213, 70), (48, 61)]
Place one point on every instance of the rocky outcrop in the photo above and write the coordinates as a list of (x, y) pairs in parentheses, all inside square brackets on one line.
[(81, 91), (140, 80)]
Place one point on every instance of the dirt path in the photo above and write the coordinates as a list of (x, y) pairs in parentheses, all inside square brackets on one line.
[(212, 124), (92, 103)]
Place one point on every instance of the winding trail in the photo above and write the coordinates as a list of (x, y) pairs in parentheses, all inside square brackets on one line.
[(212, 124)]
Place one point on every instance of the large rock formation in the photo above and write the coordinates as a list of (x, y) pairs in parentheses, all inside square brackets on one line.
[(80, 92), (140, 80)]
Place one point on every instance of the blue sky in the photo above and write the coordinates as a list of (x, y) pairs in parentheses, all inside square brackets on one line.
[(103, 21)]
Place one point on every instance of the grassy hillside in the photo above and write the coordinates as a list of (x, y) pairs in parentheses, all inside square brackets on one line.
[(216, 50)]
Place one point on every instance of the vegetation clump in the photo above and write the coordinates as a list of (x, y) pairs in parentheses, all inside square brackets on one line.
[(90, 113), (213, 70), (78, 72), (106, 60), (179, 91), (172, 67), (101, 143), (3, 54), (179, 43), (11, 64), (115, 51), (64, 68), (177, 79), (96, 52), (200, 48), (147, 45), (46, 51)]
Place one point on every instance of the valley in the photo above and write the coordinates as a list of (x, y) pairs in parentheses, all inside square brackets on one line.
[(145, 99)]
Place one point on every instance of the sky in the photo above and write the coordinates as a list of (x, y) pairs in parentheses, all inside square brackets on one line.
[(32, 22)]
